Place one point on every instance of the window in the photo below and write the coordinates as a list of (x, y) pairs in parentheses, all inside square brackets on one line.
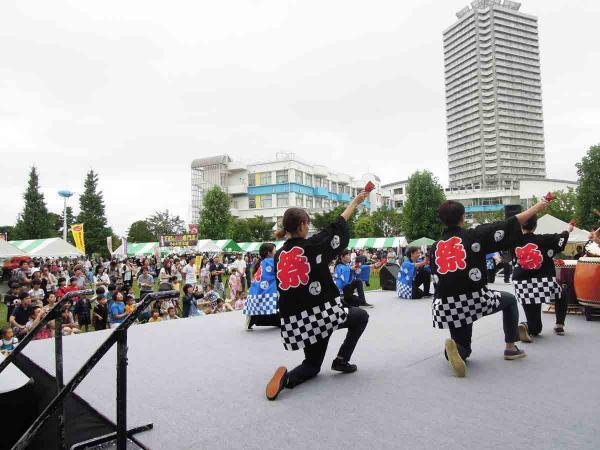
[(398, 204), (399, 191), (318, 203), (265, 178), (252, 202), (282, 176), (299, 177), (283, 199), (300, 200), (309, 202), (266, 201), (308, 180), (334, 187), (251, 179)]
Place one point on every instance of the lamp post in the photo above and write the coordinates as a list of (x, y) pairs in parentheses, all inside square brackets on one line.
[(65, 195)]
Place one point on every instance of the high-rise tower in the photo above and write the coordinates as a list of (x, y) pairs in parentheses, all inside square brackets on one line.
[(494, 120)]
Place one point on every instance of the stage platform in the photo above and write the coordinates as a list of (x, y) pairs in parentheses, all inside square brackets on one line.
[(201, 382)]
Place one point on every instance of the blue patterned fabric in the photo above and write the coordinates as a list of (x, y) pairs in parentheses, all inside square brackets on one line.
[(404, 282), (262, 295)]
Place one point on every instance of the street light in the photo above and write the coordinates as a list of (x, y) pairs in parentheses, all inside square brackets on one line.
[(65, 195)]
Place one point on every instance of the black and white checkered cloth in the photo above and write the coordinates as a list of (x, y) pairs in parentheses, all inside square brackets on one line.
[(537, 290), (261, 304), (309, 326), (404, 290), (464, 309)]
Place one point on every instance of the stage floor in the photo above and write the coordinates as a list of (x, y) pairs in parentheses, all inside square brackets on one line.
[(201, 382)]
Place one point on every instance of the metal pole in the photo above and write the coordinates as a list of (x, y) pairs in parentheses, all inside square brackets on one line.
[(122, 389), (65, 220), (58, 357)]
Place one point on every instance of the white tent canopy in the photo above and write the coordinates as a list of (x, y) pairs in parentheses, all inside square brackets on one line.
[(8, 250), (47, 248), (208, 246), (549, 224)]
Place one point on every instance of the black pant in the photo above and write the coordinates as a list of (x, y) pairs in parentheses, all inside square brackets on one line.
[(423, 277), (356, 322), (533, 313), (507, 269), (510, 322), (355, 300), (269, 320)]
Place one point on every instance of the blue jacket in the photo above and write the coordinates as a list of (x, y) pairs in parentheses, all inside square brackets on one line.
[(262, 295)]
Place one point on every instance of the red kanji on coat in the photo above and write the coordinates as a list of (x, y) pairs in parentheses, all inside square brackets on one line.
[(292, 268), (258, 274), (450, 255), (529, 257)]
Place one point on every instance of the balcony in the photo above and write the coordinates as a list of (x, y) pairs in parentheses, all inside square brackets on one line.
[(321, 192), (236, 189)]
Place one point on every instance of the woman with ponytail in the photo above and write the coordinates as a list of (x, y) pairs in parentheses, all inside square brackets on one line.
[(261, 304), (310, 308)]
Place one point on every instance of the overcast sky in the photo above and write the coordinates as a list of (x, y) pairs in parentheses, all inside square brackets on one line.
[(137, 89)]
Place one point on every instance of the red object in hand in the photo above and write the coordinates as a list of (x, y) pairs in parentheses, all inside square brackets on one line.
[(573, 222), (549, 197), (369, 187)]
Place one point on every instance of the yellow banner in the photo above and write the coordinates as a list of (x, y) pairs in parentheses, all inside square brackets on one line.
[(77, 231)]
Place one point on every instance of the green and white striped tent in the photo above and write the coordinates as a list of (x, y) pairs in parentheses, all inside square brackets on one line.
[(139, 249), (254, 246), (47, 248), (227, 245), (386, 242)]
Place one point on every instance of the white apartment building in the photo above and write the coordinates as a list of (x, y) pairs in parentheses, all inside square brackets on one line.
[(268, 188), (495, 127)]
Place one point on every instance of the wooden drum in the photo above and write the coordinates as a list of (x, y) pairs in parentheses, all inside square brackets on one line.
[(587, 282), (565, 275)]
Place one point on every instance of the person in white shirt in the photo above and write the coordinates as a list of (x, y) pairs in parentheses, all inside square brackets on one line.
[(240, 265), (101, 279), (189, 272)]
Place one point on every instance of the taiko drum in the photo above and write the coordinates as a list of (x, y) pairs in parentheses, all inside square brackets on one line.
[(587, 281)]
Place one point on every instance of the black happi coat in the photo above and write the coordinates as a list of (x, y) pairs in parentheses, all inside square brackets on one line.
[(458, 270), (534, 275), (309, 301)]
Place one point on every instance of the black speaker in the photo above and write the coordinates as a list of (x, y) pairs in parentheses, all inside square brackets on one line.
[(512, 210), (388, 275)]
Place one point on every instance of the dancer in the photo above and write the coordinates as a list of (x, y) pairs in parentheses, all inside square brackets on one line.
[(309, 301), (534, 277), (346, 280), (461, 295), (261, 304), (410, 278)]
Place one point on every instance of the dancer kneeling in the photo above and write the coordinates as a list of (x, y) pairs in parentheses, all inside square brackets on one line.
[(261, 305), (534, 277), (346, 280), (411, 275), (461, 295), (309, 301)]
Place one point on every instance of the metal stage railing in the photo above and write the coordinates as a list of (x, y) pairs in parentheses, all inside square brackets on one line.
[(119, 336)]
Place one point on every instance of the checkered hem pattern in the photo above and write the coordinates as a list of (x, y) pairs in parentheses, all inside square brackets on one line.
[(261, 304), (404, 290), (537, 290), (464, 309), (310, 326)]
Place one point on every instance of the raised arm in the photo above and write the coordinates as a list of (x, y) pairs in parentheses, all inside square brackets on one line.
[(529, 213), (354, 204)]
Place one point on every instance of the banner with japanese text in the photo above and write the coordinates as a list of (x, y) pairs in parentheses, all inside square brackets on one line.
[(77, 231)]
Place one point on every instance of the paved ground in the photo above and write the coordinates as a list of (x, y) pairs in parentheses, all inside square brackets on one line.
[(201, 381)]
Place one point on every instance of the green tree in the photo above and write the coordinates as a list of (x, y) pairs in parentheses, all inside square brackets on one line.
[(364, 226), (34, 222), (260, 228), (70, 221), (488, 216), (162, 223), (564, 205), (215, 218), (140, 232), (419, 215), (386, 222), (92, 215), (321, 220), (240, 231), (588, 191)]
